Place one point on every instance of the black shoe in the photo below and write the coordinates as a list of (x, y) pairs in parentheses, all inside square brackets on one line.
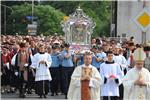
[(12, 91), (52, 94), (22, 96), (40, 96), (29, 92), (65, 96), (56, 93), (8, 91), (44, 96)]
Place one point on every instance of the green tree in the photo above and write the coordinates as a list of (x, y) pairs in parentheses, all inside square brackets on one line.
[(99, 11), (48, 18), (51, 13)]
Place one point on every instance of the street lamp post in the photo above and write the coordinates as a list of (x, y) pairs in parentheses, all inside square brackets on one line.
[(111, 19), (144, 33), (5, 20), (32, 10), (14, 26)]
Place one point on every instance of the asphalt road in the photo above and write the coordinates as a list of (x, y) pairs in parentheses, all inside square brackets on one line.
[(14, 96)]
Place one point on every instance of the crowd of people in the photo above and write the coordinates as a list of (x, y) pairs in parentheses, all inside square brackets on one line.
[(46, 63)]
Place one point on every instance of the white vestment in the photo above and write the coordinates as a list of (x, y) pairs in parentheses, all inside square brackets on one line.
[(121, 61), (42, 70), (110, 88), (135, 92), (147, 63), (74, 92)]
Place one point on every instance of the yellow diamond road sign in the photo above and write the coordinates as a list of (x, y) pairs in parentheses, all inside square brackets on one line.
[(143, 20)]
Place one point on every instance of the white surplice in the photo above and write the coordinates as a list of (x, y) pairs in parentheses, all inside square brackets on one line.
[(119, 59), (135, 92), (110, 88), (42, 70), (74, 92)]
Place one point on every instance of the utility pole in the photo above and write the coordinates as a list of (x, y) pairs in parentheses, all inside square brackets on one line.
[(144, 33), (32, 10), (111, 19), (14, 26), (5, 19)]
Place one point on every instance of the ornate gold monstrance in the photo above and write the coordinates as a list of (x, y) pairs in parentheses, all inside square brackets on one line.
[(78, 28)]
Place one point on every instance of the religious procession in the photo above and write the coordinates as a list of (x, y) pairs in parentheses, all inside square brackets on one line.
[(79, 64)]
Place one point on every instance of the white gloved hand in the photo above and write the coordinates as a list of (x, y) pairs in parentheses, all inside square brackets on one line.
[(16, 73), (26, 65), (7, 64), (1, 73)]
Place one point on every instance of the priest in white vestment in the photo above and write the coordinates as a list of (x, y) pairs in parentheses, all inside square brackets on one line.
[(137, 80), (74, 92)]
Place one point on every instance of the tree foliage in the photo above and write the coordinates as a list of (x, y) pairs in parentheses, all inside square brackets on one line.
[(99, 11), (51, 13), (48, 18)]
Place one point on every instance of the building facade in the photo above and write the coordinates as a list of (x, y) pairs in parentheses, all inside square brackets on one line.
[(126, 13)]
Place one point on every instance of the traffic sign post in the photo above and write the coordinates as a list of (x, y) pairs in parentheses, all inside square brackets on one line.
[(32, 29), (30, 18), (142, 20)]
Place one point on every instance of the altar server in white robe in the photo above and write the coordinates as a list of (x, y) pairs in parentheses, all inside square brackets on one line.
[(41, 62), (111, 74), (137, 80), (95, 80), (120, 59)]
